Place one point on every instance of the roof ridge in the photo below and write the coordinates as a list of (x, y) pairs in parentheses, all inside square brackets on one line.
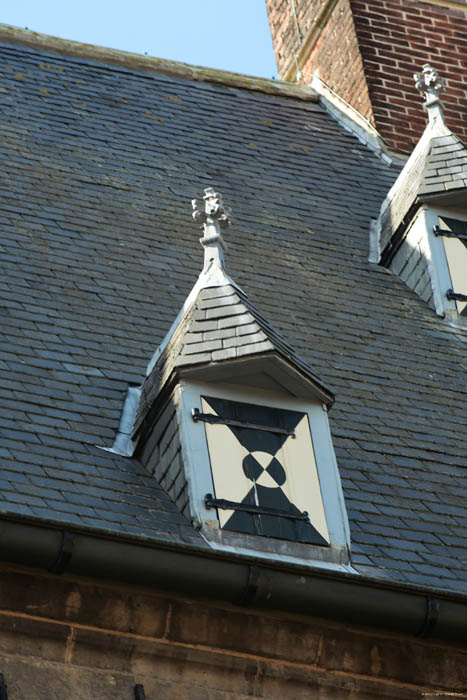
[(129, 60)]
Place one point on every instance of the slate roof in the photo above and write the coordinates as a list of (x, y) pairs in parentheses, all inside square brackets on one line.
[(220, 325), (445, 166), (438, 165), (97, 254)]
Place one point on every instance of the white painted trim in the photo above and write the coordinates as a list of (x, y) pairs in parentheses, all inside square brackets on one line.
[(351, 120), (375, 248), (420, 226), (329, 477), (194, 452), (439, 271), (198, 473), (441, 277)]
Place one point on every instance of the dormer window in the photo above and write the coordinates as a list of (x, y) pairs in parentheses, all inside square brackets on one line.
[(270, 485), (260, 467), (421, 232), (234, 425)]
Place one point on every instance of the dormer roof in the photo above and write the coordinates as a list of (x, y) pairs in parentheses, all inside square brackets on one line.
[(436, 169), (219, 326), (445, 168)]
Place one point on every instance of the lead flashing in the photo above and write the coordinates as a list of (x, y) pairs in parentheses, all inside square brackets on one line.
[(123, 444), (351, 120), (134, 61)]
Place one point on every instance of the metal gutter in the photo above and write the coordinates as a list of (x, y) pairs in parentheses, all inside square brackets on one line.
[(237, 580)]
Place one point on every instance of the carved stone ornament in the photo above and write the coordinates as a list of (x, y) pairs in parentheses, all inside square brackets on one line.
[(212, 206), (213, 215), (428, 82)]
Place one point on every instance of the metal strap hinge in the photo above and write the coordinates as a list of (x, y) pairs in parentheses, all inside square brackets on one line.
[(450, 294), (448, 234), (223, 504), (213, 420)]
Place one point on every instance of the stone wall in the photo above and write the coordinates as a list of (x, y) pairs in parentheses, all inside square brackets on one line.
[(65, 637), (367, 52)]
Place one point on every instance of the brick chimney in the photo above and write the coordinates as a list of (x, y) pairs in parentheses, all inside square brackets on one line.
[(367, 51)]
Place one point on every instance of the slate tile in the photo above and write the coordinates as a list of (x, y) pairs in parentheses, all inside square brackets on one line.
[(398, 434), (202, 347), (236, 320), (394, 564), (9, 508), (50, 514), (14, 476)]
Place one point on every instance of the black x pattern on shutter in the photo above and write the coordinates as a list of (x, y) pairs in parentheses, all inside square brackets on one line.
[(265, 508)]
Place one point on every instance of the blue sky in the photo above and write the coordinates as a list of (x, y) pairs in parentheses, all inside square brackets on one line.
[(226, 34)]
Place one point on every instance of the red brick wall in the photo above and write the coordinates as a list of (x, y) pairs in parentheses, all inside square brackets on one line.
[(396, 37), (337, 59), (368, 50), (286, 39)]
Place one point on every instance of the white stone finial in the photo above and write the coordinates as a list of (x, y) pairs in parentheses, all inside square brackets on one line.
[(214, 216), (431, 85)]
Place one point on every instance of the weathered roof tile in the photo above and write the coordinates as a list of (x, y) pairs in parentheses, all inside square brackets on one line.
[(97, 254)]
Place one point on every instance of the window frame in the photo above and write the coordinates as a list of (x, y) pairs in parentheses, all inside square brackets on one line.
[(199, 477), (442, 281)]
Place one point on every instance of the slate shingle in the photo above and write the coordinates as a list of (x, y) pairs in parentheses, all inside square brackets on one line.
[(445, 166), (98, 252), (437, 165), (188, 344)]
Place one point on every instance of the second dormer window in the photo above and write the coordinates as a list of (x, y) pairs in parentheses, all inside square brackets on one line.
[(454, 235), (421, 232)]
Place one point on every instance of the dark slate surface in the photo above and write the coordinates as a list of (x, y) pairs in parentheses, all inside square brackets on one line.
[(438, 166), (98, 252), (222, 324), (445, 167)]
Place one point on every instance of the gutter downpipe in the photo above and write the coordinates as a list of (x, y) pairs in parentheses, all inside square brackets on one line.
[(198, 574)]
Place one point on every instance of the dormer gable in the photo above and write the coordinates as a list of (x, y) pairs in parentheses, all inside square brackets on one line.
[(222, 335), (233, 423), (425, 210)]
